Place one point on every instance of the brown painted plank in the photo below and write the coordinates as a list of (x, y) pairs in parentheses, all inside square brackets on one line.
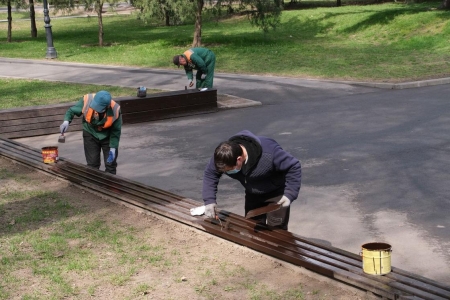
[(33, 120), (51, 125), (37, 132), (167, 102), (140, 117), (35, 111)]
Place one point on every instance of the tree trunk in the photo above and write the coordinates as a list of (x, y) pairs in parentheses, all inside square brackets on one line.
[(9, 37), (166, 13), (197, 42), (338, 3), (445, 4), (99, 6), (33, 20)]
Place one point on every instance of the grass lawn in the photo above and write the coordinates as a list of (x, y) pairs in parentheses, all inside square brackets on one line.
[(23, 92), (385, 42)]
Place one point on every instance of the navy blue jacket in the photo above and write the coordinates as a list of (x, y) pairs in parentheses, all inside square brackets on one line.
[(276, 169)]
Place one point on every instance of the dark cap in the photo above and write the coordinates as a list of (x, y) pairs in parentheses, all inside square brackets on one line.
[(101, 101), (176, 60)]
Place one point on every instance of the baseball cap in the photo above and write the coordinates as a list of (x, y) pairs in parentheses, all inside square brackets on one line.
[(101, 101), (176, 60)]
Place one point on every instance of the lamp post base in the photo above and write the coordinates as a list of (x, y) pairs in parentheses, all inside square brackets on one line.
[(51, 53)]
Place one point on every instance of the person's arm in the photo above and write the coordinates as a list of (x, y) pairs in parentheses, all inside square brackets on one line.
[(210, 181), (285, 162), (189, 73), (199, 62), (116, 130), (75, 110)]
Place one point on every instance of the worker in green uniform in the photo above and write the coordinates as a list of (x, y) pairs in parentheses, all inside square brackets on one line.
[(201, 59), (102, 126)]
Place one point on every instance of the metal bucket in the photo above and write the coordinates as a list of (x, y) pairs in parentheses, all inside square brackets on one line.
[(376, 258), (142, 91), (50, 154)]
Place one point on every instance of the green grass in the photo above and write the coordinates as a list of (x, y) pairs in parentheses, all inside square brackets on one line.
[(42, 237), (391, 41), (22, 92)]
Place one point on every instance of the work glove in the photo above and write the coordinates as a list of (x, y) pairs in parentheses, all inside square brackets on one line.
[(64, 126), (284, 201), (111, 156), (203, 76), (210, 210), (190, 83)]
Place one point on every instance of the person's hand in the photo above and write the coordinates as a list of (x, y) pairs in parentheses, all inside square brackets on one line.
[(203, 76), (284, 201), (190, 83), (210, 210), (112, 155), (64, 126)]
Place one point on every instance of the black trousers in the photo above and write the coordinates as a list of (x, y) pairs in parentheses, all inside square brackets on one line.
[(92, 149), (278, 219)]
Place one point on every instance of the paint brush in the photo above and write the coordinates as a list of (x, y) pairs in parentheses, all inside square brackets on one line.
[(62, 138)]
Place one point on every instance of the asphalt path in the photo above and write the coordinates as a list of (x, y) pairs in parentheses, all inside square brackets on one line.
[(375, 161)]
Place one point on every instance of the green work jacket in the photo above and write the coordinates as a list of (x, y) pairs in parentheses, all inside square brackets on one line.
[(112, 132)]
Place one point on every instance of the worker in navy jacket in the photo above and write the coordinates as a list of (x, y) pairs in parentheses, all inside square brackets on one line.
[(267, 172)]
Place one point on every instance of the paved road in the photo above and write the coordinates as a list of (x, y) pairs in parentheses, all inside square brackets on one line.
[(375, 161)]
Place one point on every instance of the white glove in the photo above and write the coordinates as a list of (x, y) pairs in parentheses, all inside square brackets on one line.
[(190, 83), (112, 155), (203, 76), (64, 126), (284, 201), (210, 210)]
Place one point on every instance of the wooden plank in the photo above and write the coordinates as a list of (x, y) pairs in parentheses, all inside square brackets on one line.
[(168, 93), (37, 132), (52, 126), (140, 117), (45, 119), (169, 101), (33, 120), (35, 111)]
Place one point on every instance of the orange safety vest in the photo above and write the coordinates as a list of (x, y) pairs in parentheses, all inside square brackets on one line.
[(188, 54), (89, 113)]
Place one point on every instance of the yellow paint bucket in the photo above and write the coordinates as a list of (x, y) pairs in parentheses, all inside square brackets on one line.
[(49, 154), (376, 258)]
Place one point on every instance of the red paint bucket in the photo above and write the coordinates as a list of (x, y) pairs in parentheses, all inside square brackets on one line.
[(50, 154)]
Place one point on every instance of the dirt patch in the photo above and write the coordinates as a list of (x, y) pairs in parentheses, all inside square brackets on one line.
[(185, 264)]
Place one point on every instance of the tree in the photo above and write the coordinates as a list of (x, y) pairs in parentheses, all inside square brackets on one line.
[(98, 7), (197, 41), (95, 5), (18, 4), (9, 36), (264, 14), (445, 4), (33, 20), (172, 12)]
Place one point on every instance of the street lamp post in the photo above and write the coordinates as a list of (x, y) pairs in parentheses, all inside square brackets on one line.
[(51, 51)]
